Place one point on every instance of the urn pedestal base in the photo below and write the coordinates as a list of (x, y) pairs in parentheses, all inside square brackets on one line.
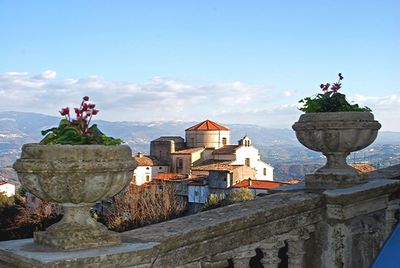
[(77, 230), (332, 181), (76, 240)]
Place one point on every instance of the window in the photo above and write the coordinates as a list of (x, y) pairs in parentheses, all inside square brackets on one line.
[(224, 141), (265, 172), (147, 178), (179, 163), (147, 168), (159, 168), (247, 162)]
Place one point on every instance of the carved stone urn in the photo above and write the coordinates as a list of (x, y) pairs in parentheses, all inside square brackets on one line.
[(336, 135), (75, 176)]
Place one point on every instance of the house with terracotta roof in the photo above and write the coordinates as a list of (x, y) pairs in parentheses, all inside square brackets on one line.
[(207, 134), (209, 141), (259, 186), (147, 167), (207, 152), (363, 167)]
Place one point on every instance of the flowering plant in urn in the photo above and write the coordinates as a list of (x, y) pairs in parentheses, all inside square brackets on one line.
[(330, 100), (76, 165), (336, 128), (77, 131)]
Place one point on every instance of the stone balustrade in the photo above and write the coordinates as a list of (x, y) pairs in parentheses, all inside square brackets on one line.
[(293, 227)]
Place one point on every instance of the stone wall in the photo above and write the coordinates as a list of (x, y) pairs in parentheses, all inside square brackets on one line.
[(292, 227)]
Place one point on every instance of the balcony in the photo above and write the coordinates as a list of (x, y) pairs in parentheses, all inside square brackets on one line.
[(292, 227)]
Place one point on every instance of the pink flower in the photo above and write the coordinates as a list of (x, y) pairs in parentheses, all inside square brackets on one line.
[(91, 105), (94, 112), (325, 87), (336, 87), (86, 98)]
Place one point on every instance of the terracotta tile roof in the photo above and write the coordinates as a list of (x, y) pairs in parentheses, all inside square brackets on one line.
[(189, 151), (169, 176), (143, 160), (220, 167), (259, 184), (215, 165), (207, 125), (227, 149), (363, 168), (147, 160)]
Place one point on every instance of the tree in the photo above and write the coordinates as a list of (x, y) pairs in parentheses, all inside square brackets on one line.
[(5, 200)]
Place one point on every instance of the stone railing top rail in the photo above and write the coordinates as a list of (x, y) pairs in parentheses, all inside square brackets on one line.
[(391, 172), (227, 219)]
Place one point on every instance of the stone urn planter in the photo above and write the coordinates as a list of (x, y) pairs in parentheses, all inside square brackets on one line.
[(75, 176), (336, 135)]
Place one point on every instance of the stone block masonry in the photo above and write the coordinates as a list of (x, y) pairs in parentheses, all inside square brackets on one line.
[(300, 228)]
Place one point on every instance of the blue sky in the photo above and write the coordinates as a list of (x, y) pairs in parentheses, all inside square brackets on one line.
[(231, 61)]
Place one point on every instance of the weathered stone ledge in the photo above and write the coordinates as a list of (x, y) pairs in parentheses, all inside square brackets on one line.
[(319, 229)]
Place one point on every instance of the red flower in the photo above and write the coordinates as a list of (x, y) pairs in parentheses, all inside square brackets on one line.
[(94, 112), (86, 98), (91, 105), (85, 107), (64, 111)]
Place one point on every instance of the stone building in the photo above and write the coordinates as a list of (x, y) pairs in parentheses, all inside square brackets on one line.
[(209, 143), (162, 147), (147, 168), (207, 134)]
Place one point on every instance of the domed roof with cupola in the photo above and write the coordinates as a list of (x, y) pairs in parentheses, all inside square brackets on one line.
[(207, 125)]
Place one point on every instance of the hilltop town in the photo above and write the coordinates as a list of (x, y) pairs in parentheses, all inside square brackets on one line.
[(205, 162)]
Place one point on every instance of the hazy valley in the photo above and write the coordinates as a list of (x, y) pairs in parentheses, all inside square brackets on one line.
[(277, 146)]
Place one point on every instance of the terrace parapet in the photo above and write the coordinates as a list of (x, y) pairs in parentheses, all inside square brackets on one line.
[(303, 228)]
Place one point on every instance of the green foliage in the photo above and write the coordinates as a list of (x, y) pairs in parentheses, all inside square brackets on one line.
[(76, 132), (240, 195), (330, 102), (5, 201), (215, 200), (235, 196)]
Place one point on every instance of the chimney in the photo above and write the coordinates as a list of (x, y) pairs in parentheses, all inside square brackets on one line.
[(140, 154), (249, 181)]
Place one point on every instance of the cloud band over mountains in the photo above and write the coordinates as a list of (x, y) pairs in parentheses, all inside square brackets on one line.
[(162, 99)]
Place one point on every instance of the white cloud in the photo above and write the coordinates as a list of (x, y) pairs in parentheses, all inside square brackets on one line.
[(169, 99), (49, 74), (287, 93)]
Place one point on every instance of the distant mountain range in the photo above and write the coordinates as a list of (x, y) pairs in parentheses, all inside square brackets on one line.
[(277, 146)]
